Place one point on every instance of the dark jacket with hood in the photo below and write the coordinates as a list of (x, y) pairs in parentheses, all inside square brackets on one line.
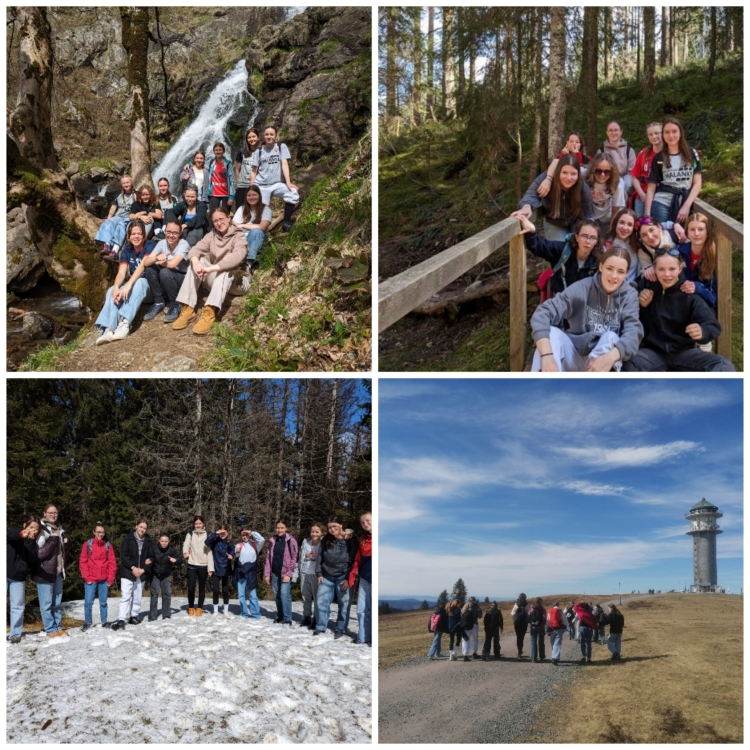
[(161, 568), (493, 621), (468, 619), (590, 312), (130, 558), (616, 622), (338, 558), (669, 313), (48, 551), (552, 251), (442, 626), (21, 555), (199, 221), (544, 205), (221, 548), (706, 288)]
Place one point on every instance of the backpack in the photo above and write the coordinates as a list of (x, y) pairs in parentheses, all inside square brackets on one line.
[(252, 544), (627, 150), (434, 622), (106, 547), (544, 282), (555, 619), (535, 616), (519, 616)]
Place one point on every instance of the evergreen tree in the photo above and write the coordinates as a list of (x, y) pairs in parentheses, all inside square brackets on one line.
[(384, 608), (486, 599), (424, 605), (442, 600), (459, 591)]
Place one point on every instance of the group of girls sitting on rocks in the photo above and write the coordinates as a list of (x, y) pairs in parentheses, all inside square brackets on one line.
[(632, 278), (167, 248), (332, 565), (461, 624)]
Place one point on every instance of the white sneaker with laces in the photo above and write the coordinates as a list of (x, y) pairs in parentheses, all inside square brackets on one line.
[(106, 337), (123, 329)]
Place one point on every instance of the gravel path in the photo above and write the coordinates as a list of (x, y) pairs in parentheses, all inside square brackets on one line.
[(494, 701)]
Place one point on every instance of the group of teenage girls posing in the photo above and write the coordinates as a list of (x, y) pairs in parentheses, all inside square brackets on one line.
[(167, 248), (632, 278), (330, 564), (461, 624)]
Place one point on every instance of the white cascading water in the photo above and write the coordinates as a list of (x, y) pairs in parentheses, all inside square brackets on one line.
[(229, 96)]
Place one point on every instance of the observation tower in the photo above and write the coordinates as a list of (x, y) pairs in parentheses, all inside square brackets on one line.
[(704, 529)]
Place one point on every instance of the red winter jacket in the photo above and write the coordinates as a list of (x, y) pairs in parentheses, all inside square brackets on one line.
[(584, 617), (100, 565), (363, 567)]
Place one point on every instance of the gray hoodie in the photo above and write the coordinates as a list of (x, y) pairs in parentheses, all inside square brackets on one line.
[(590, 311)]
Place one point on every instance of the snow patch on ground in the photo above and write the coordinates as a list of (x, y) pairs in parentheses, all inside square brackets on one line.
[(189, 679)]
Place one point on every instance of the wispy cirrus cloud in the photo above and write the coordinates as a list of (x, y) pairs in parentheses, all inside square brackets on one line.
[(644, 455), (582, 487)]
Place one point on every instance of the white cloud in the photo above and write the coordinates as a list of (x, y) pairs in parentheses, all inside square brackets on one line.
[(615, 458), (594, 488)]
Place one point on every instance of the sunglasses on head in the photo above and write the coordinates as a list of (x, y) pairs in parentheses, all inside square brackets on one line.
[(674, 252)]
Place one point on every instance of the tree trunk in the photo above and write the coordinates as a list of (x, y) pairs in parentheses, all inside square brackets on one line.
[(736, 17), (712, 42), (664, 26), (588, 80), (536, 142), (197, 448), (227, 468), (417, 63), (607, 43), (472, 33), (282, 452), (461, 43), (637, 13), (135, 36), (670, 45), (649, 49), (391, 72), (556, 80), (431, 60), (449, 66), (331, 433)]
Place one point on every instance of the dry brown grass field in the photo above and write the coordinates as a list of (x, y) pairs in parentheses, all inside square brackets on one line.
[(679, 681)]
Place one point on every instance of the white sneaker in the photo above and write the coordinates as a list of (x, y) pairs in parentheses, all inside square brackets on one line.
[(106, 337), (123, 329), (452, 657)]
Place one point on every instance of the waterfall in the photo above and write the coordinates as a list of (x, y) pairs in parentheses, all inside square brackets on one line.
[(228, 99), (294, 10)]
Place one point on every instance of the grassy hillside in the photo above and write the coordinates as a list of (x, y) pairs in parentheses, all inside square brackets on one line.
[(436, 189)]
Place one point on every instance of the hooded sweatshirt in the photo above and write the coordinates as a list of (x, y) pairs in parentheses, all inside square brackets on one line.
[(228, 250), (584, 616), (622, 155), (590, 312)]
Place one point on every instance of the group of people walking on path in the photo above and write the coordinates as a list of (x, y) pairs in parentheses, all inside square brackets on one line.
[(632, 279), (167, 248), (461, 623), (330, 563)]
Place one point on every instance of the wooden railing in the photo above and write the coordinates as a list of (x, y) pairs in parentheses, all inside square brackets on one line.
[(400, 294)]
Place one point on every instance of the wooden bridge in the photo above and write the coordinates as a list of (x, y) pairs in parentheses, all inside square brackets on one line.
[(400, 294)]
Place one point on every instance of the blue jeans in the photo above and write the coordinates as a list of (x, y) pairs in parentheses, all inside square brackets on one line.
[(17, 591), (252, 595), (112, 231), (364, 612), (108, 316), (89, 593), (659, 212), (551, 232), (255, 239), (325, 597), (585, 634), (555, 642), (435, 648), (614, 644), (537, 644), (571, 631), (639, 207), (50, 599), (282, 592)]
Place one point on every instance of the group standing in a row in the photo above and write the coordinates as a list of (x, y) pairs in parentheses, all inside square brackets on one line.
[(331, 563), (168, 248)]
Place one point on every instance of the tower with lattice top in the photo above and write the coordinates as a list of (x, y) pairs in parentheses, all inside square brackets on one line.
[(704, 530)]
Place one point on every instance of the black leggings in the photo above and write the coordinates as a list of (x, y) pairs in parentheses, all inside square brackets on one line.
[(200, 575), (520, 633), (222, 581)]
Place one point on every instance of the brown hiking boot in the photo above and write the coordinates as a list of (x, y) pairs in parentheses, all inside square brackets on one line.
[(57, 633), (199, 612), (191, 612), (208, 317), (187, 315)]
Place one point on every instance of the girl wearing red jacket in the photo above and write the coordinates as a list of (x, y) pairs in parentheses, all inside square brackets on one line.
[(642, 167), (97, 565), (588, 624), (363, 567)]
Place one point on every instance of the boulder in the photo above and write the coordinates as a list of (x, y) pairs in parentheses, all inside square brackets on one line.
[(99, 173), (36, 326), (24, 265), (82, 183), (97, 44), (72, 169), (179, 363), (119, 168)]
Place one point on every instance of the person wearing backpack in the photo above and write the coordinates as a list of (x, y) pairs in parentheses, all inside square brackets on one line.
[(165, 558), (245, 576), (281, 560), (520, 623), (586, 629), (616, 624), (200, 564), (437, 625), (468, 622), (537, 619), (53, 546), (136, 559), (557, 624), (493, 626), (454, 628), (98, 567), (570, 617), (223, 552)]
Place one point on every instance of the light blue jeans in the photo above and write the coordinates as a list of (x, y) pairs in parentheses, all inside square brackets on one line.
[(244, 595), (282, 592), (50, 599), (17, 592), (112, 231), (614, 644), (325, 597), (364, 612), (255, 239), (90, 591), (139, 294), (639, 207), (555, 642), (435, 648)]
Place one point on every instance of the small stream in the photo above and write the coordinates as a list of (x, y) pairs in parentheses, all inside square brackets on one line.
[(47, 298)]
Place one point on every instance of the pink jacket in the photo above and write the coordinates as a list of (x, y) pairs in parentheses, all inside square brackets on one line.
[(290, 556)]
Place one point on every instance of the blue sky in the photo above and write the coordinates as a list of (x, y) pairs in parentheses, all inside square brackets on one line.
[(554, 486)]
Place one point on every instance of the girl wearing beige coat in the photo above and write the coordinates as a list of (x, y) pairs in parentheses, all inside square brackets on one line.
[(200, 564)]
